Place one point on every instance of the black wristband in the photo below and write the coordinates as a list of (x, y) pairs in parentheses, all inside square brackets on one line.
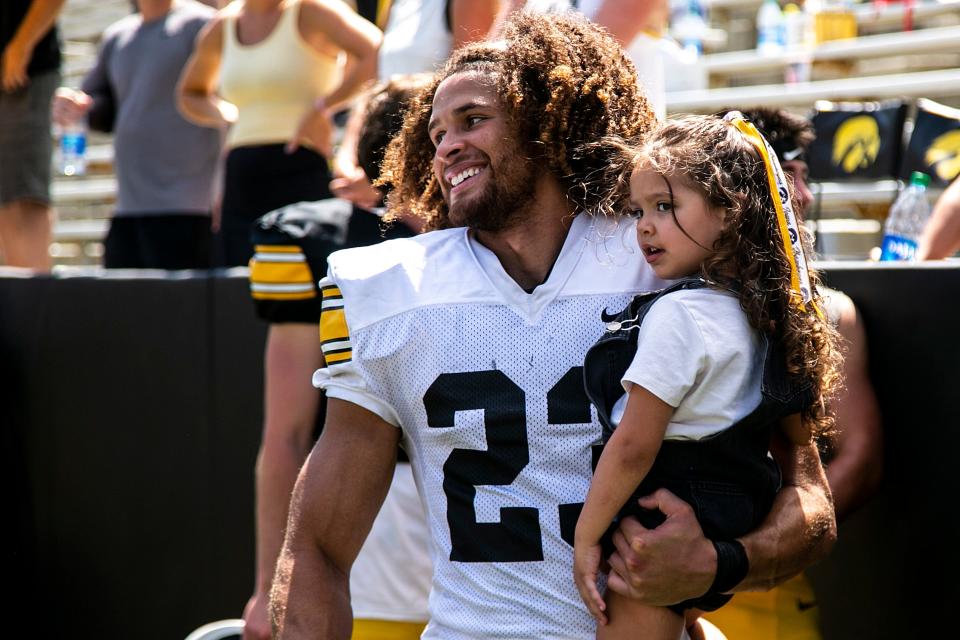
[(732, 566)]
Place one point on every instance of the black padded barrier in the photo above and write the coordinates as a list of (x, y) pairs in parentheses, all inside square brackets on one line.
[(131, 411), (894, 571), (132, 406)]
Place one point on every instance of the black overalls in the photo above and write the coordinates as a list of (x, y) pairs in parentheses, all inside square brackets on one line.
[(728, 478)]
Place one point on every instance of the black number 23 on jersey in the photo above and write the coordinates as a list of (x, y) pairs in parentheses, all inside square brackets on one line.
[(516, 538)]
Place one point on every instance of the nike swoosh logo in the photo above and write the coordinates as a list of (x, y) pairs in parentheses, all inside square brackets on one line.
[(805, 606)]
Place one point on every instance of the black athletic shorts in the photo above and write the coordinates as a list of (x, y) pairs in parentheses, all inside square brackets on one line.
[(260, 179), (166, 241)]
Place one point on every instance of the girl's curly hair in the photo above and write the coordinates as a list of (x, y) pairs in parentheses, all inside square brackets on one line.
[(716, 159), (563, 81)]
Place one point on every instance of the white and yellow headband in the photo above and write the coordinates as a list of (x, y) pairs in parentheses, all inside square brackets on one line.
[(801, 291)]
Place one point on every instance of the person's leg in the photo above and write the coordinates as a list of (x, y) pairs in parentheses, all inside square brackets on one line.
[(176, 241), (25, 230), (627, 615), (25, 149)]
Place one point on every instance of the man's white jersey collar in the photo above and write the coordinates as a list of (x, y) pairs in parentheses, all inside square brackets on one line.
[(599, 256), (591, 244)]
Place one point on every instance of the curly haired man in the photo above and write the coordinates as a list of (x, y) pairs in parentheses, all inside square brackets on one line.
[(466, 344)]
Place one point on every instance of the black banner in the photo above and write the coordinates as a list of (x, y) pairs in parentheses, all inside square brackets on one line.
[(857, 141), (934, 145)]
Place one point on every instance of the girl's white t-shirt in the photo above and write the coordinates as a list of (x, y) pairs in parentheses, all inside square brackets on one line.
[(697, 352)]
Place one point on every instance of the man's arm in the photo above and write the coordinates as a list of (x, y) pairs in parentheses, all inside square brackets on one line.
[(800, 528), (855, 471), (675, 562), (625, 19), (336, 498), (471, 20), (16, 56), (941, 236)]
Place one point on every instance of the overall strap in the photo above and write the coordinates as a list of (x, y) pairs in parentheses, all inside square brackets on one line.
[(608, 359)]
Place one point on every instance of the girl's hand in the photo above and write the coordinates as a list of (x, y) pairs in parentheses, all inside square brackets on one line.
[(586, 562)]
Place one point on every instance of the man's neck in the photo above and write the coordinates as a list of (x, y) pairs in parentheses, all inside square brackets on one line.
[(528, 249), (154, 9)]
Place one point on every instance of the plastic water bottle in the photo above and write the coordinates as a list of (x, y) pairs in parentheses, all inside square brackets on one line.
[(905, 222), (770, 28), (690, 27), (798, 65), (73, 149)]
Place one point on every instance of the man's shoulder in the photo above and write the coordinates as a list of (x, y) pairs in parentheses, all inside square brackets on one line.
[(415, 254), (190, 16), (126, 24), (387, 279)]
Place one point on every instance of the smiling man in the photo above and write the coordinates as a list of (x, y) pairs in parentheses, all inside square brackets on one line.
[(466, 346)]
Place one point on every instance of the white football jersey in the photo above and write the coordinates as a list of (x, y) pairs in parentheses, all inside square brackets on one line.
[(486, 381)]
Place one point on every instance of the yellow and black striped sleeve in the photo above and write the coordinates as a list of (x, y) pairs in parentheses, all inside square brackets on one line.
[(334, 334), (283, 285)]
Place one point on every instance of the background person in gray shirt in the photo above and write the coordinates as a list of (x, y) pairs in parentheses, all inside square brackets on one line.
[(165, 166)]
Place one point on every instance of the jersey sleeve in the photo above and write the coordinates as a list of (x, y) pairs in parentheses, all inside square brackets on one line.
[(671, 354), (344, 376), (291, 246)]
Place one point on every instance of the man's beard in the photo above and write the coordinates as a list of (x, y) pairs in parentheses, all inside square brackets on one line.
[(510, 188)]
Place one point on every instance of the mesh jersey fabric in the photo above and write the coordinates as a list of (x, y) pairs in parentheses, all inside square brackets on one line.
[(487, 383)]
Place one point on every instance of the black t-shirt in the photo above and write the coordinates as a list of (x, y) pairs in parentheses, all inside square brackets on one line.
[(46, 55)]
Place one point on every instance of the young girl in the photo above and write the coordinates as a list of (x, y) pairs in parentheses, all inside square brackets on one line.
[(712, 365)]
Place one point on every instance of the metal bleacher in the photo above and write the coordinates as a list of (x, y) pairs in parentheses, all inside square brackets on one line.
[(884, 61), (904, 50)]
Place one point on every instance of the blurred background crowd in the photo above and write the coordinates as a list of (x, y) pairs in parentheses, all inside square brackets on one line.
[(152, 133)]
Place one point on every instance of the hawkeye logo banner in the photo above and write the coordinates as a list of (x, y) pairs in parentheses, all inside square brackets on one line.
[(857, 141), (934, 145)]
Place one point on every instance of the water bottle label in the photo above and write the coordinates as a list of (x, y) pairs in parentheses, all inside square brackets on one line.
[(897, 248), (73, 143)]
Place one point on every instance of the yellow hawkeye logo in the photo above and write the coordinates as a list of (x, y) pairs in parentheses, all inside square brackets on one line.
[(856, 143), (943, 156)]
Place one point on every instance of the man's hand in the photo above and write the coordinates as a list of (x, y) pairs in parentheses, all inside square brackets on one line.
[(256, 618), (316, 130), (13, 71), (69, 106), (666, 565)]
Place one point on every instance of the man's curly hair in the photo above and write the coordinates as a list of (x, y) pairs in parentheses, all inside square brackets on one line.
[(715, 159), (564, 83)]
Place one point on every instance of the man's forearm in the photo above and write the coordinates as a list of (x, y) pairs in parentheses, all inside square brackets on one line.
[(335, 501), (800, 528), (310, 597)]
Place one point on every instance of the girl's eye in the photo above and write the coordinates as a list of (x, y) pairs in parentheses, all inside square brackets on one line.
[(636, 213), (663, 206)]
